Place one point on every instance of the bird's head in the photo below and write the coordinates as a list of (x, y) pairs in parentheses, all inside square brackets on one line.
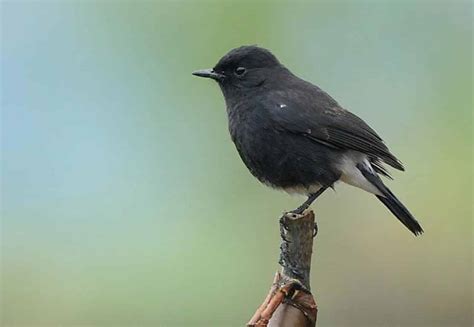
[(245, 67)]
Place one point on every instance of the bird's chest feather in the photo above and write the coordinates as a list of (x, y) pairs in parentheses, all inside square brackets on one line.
[(267, 151), (252, 132), (274, 155)]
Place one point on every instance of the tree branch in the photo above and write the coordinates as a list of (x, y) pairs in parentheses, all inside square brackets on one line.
[(289, 301)]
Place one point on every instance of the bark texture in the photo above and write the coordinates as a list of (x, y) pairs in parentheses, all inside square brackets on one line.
[(289, 301)]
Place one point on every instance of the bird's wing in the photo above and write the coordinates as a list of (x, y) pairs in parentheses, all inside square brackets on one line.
[(317, 116)]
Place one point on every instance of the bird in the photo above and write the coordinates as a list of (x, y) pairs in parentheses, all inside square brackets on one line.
[(293, 136)]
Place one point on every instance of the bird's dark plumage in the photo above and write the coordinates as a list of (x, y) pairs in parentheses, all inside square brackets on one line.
[(294, 136)]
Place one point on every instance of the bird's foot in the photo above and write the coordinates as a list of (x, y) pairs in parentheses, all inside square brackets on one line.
[(295, 214), (298, 211)]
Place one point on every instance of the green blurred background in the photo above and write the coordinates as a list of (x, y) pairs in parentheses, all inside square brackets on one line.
[(124, 202)]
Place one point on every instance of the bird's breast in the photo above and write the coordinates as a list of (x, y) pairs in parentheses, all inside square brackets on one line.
[(276, 157)]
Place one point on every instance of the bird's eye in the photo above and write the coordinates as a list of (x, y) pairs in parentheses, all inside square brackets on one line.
[(239, 71)]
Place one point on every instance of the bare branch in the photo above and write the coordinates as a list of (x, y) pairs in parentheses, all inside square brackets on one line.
[(289, 301)]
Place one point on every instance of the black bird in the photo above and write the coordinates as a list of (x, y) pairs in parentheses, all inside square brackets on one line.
[(293, 136)]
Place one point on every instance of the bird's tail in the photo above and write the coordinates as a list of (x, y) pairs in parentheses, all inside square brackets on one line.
[(391, 202)]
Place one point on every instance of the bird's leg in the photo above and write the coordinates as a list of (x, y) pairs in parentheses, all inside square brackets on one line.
[(307, 203)]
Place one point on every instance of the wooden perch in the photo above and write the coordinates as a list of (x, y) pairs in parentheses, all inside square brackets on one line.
[(289, 301)]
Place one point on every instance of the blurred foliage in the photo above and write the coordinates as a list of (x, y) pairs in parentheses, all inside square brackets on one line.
[(125, 203)]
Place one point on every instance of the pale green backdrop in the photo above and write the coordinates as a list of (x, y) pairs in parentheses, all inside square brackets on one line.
[(124, 202)]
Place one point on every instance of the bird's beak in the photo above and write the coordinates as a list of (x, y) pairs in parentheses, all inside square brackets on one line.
[(208, 73)]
